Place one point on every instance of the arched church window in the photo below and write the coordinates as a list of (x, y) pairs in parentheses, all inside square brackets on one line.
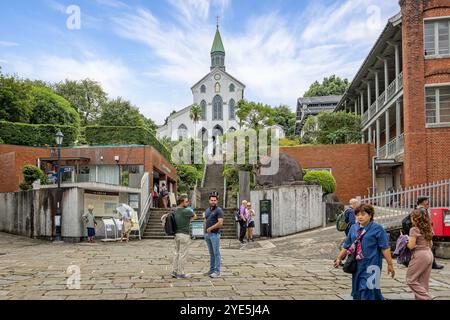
[(217, 87), (217, 108), (182, 132), (232, 109), (203, 106), (232, 88), (203, 89)]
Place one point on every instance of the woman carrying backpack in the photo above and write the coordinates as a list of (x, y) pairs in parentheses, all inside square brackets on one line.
[(368, 243), (420, 243)]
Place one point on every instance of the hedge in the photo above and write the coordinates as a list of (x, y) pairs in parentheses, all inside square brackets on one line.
[(36, 135), (325, 179), (101, 135)]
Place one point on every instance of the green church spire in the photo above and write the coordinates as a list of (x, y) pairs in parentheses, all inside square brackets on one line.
[(218, 51)]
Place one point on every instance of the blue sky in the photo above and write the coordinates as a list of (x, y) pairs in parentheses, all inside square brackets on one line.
[(152, 51)]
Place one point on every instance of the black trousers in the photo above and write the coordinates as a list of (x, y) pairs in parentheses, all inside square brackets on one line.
[(243, 230)]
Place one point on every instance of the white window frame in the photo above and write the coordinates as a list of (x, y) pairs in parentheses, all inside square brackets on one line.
[(435, 22), (438, 122)]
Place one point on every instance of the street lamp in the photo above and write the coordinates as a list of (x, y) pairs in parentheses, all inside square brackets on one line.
[(59, 140)]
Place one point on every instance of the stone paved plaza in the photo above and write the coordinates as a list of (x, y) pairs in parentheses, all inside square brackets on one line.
[(296, 267)]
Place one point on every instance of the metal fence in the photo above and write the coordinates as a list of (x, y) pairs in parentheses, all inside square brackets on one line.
[(392, 206)]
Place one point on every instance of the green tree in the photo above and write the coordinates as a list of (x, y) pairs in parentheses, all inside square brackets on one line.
[(166, 120), (15, 99), (284, 117), (30, 175), (333, 128), (329, 87), (188, 176), (50, 108), (149, 124), (86, 96), (254, 115), (195, 115), (120, 113)]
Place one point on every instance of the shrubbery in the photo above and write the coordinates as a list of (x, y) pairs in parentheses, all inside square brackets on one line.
[(324, 178), (30, 175), (102, 135), (50, 108), (34, 135)]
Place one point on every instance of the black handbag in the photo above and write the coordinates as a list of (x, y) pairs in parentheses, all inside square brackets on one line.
[(350, 262)]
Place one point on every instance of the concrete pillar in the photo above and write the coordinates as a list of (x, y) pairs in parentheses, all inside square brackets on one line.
[(377, 89), (387, 126), (356, 106), (370, 135), (377, 135), (398, 118), (397, 65), (369, 101), (386, 78), (362, 103)]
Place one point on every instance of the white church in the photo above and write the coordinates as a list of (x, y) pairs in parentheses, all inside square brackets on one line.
[(217, 94)]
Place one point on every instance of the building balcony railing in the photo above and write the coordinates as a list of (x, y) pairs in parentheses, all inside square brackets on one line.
[(394, 148), (387, 95)]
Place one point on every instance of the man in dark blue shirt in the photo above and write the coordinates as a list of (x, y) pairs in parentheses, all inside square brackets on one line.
[(350, 215), (213, 221)]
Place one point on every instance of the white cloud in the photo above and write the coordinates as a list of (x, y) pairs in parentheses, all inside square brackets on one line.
[(8, 44), (113, 3), (275, 56), (114, 76)]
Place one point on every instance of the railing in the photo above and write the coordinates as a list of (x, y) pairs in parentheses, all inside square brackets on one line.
[(400, 80), (381, 100), (373, 109), (392, 206), (384, 97), (391, 90), (392, 149), (365, 117), (382, 152)]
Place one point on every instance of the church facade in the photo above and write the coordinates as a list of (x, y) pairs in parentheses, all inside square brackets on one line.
[(218, 94)]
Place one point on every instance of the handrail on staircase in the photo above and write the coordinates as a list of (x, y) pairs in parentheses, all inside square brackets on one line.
[(204, 175), (145, 212)]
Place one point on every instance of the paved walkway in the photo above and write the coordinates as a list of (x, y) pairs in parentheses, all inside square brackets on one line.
[(296, 267)]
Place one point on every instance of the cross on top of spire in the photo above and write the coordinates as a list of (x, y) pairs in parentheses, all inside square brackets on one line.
[(218, 18)]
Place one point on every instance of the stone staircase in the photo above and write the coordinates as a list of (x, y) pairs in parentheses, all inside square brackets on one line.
[(154, 229), (213, 182)]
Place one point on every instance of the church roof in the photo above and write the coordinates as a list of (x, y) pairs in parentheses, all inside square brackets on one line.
[(215, 70), (217, 44)]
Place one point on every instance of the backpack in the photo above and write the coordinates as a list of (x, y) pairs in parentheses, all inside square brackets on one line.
[(341, 223), (237, 216), (169, 224), (402, 252)]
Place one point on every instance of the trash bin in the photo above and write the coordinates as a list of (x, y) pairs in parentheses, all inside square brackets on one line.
[(440, 217)]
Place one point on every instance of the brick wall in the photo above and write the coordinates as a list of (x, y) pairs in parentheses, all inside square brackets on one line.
[(14, 158), (12, 161), (426, 156), (350, 165)]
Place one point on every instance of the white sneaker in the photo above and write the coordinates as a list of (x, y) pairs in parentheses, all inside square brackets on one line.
[(215, 275)]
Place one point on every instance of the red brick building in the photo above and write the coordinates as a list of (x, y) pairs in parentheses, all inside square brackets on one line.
[(402, 92), (89, 164), (351, 165)]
